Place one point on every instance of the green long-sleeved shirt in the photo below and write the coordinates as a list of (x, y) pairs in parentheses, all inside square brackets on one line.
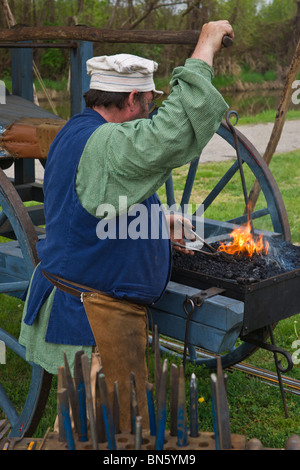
[(134, 159)]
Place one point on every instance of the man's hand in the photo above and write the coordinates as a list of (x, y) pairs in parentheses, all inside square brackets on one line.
[(177, 225), (210, 40)]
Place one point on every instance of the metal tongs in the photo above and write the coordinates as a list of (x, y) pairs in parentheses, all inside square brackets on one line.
[(213, 251)]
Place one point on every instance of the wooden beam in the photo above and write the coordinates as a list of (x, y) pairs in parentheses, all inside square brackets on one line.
[(85, 33)]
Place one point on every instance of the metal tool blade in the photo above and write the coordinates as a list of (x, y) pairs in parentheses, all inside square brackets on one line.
[(80, 388), (107, 414), (182, 435), (162, 407), (63, 403), (100, 426), (173, 399), (194, 426), (73, 397), (151, 408), (134, 410), (85, 364)]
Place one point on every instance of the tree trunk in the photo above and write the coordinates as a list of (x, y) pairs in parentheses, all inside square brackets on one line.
[(7, 13)]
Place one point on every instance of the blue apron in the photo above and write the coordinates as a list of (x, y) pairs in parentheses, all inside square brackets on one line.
[(137, 270)]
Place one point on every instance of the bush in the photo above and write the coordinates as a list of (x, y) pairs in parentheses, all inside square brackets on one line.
[(52, 63)]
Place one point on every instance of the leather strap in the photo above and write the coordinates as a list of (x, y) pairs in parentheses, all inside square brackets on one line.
[(65, 285)]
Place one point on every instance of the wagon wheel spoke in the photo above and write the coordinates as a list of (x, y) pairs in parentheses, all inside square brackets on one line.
[(26, 421), (8, 407), (3, 219), (220, 186)]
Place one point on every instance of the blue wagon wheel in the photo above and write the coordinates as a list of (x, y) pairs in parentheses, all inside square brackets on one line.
[(18, 260), (272, 212)]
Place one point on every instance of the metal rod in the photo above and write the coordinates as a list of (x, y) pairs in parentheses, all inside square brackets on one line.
[(100, 426), (173, 399), (134, 410), (157, 363), (32, 45), (211, 248), (107, 415), (138, 433), (162, 407), (186, 247), (182, 435), (279, 374), (63, 404), (222, 409), (80, 388), (116, 408), (194, 427), (89, 399), (151, 408), (237, 147), (73, 397)]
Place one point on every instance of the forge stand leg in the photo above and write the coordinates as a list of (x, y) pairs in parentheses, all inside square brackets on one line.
[(278, 373)]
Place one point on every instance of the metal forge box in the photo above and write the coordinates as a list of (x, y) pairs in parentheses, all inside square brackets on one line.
[(244, 304)]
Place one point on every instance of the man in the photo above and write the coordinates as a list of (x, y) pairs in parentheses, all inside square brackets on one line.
[(104, 161)]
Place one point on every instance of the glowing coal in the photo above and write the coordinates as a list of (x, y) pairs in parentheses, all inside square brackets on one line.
[(280, 258)]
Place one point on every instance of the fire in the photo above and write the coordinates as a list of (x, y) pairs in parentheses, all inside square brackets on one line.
[(243, 242)]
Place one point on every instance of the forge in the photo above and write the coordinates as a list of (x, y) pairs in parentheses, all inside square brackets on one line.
[(267, 283)]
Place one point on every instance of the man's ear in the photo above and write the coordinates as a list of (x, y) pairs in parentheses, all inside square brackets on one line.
[(132, 99)]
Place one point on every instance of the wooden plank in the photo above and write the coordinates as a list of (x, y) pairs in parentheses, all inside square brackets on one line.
[(80, 81), (22, 73), (215, 325), (200, 335), (219, 311)]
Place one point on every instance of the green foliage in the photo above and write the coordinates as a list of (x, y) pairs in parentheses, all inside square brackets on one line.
[(223, 81), (270, 76), (251, 76), (264, 32), (95, 13), (52, 63)]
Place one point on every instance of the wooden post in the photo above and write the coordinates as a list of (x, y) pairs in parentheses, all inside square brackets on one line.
[(22, 85), (22, 73), (80, 80)]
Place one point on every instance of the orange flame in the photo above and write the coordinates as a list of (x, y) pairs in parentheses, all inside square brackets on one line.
[(244, 243)]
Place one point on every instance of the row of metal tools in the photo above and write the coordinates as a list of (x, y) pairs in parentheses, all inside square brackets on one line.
[(88, 421), (100, 419), (98, 423)]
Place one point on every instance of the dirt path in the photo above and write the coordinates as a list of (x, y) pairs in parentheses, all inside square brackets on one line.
[(258, 134)]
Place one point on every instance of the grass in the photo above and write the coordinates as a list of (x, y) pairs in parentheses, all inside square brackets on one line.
[(246, 75), (268, 116), (256, 408)]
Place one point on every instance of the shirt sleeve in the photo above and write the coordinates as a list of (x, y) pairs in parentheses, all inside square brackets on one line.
[(135, 158)]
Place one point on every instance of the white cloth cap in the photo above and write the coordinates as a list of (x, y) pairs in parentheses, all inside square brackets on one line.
[(122, 73)]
